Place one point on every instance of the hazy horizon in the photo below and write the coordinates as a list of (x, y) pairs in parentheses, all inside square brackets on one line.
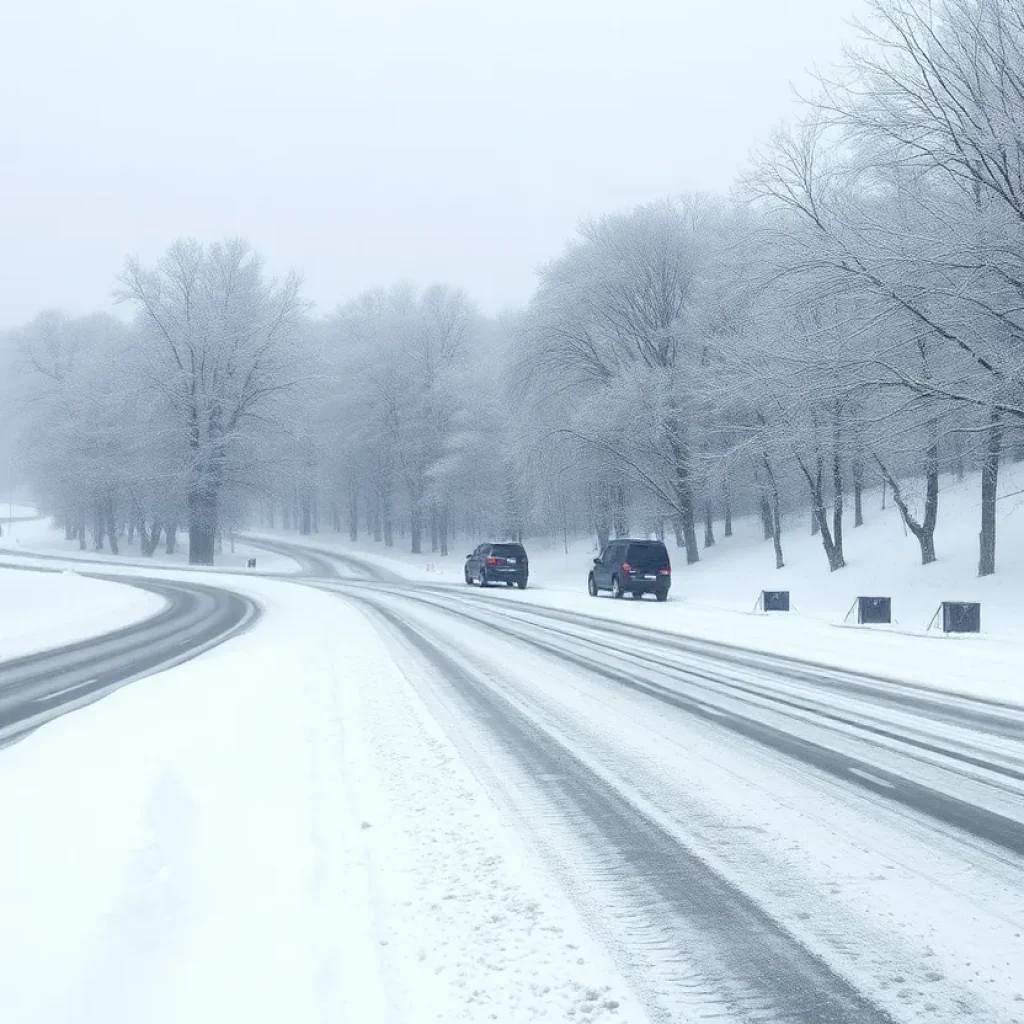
[(366, 145)]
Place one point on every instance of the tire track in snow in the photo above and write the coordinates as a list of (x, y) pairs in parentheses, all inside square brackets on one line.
[(968, 817), (729, 956)]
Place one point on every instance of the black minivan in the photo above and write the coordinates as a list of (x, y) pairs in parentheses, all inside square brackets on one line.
[(634, 567), (498, 563)]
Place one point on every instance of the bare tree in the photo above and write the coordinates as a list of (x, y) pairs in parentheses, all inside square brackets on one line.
[(218, 350)]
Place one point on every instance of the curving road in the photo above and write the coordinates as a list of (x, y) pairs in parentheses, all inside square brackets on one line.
[(717, 814), (38, 687), (732, 824)]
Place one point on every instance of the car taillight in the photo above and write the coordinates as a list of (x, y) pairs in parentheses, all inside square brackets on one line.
[(491, 561), (626, 567), (666, 571)]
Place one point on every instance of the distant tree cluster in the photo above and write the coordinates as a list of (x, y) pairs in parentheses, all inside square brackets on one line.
[(852, 314)]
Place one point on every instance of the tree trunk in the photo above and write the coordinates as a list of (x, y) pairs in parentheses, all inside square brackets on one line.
[(989, 485), (775, 511), (767, 523), (353, 517), (108, 514), (777, 529), (677, 529), (202, 525), (306, 522), (373, 519), (81, 533), (924, 531), (709, 525), (858, 493), (140, 525), (150, 545), (441, 519), (69, 527), (435, 540), (689, 530), (837, 503), (833, 553), (683, 491), (604, 534), (728, 512), (286, 520), (815, 524), (386, 520), (131, 532), (171, 546), (885, 484), (415, 521), (98, 527), (621, 526)]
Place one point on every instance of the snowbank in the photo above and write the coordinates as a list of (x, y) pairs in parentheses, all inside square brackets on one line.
[(40, 610), (274, 832)]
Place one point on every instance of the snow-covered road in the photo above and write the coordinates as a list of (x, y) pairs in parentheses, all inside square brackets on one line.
[(392, 802), (747, 834)]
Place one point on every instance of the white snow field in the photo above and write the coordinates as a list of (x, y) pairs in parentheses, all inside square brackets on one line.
[(40, 610), (278, 831)]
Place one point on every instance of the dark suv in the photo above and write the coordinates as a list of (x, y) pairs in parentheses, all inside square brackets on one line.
[(498, 563), (634, 567)]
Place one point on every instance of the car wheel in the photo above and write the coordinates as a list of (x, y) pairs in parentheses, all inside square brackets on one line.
[(637, 594), (467, 577), (482, 579), (509, 583), (522, 584), (617, 590), (591, 585), (661, 595)]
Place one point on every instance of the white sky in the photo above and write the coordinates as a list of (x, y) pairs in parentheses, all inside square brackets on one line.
[(362, 143)]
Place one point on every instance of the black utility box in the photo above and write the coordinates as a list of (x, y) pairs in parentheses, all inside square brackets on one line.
[(874, 610), (775, 600)]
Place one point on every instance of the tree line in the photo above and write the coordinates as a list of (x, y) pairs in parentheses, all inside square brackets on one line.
[(848, 315)]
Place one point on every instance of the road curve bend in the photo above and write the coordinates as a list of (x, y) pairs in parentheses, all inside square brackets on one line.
[(37, 688)]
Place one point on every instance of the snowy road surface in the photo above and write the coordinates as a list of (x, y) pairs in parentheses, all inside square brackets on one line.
[(406, 802), (748, 833), (35, 688), (754, 839)]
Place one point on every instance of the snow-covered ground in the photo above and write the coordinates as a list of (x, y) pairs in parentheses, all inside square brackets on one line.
[(39, 536), (15, 512), (40, 610), (715, 598), (307, 848)]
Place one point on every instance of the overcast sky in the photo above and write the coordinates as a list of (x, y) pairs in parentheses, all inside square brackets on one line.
[(361, 143)]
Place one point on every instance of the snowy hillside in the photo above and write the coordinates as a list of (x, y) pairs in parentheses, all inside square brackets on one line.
[(882, 560)]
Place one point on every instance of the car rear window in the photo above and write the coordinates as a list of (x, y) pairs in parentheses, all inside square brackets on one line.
[(508, 550), (647, 551)]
